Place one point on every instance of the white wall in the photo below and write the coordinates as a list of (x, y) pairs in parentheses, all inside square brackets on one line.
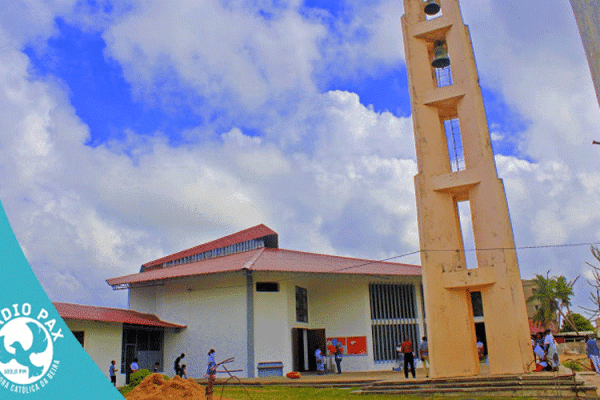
[(102, 342), (143, 299), (341, 306), (272, 333), (337, 303), (214, 309)]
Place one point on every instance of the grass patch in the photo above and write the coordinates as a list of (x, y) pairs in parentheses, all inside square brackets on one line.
[(293, 393)]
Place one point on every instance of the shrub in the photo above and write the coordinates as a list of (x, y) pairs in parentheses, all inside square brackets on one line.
[(572, 365), (137, 377)]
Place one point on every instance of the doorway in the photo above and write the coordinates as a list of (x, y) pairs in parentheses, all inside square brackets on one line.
[(304, 344)]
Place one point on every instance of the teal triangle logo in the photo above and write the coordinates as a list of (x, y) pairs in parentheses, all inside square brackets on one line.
[(39, 357)]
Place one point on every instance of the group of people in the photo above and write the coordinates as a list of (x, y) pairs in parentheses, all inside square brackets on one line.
[(180, 369), (406, 352), (320, 359), (545, 351)]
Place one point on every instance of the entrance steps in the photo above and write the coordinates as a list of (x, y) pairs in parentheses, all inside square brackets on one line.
[(537, 385)]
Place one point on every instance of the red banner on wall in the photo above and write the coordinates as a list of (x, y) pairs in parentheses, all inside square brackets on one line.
[(352, 345), (357, 345)]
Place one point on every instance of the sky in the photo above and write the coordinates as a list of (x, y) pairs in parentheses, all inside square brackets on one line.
[(130, 130)]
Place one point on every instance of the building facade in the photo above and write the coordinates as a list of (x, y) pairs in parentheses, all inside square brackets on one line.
[(265, 306)]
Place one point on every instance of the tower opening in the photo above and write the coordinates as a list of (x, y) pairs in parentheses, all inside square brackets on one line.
[(466, 231), (455, 146)]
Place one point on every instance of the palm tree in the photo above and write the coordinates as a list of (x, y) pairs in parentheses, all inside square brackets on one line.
[(553, 294), (564, 291)]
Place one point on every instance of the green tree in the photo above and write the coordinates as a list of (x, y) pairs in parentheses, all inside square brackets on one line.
[(554, 296), (581, 323)]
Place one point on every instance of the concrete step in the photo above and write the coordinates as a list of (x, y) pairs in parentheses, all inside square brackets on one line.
[(559, 386)]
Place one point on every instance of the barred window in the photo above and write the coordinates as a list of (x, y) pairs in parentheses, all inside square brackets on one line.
[(393, 318)]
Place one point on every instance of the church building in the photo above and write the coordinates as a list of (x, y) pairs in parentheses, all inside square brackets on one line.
[(270, 308)]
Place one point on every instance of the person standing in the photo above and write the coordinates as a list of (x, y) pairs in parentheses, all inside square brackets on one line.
[(424, 354), (551, 350), (211, 367), (400, 357), (183, 372), (111, 373), (409, 360), (134, 366), (592, 352), (176, 366), (480, 350), (211, 371), (320, 361), (338, 357)]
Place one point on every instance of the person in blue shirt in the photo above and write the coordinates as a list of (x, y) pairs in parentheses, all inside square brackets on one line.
[(211, 370), (424, 354), (111, 373), (134, 366), (592, 352), (211, 365)]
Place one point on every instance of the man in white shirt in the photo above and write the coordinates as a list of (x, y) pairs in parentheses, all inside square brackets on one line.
[(551, 350)]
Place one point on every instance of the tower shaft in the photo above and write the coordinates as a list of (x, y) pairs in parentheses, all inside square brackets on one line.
[(456, 164)]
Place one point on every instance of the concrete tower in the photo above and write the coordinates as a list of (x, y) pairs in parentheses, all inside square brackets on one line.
[(456, 164)]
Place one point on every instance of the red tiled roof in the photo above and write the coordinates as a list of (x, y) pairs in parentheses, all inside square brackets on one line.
[(266, 259), (105, 314), (255, 232), (298, 261), (233, 262)]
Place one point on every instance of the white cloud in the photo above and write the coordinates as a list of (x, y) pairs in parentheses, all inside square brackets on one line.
[(329, 174), (229, 56)]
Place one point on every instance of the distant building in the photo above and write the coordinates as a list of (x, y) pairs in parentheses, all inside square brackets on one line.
[(270, 308), (529, 288), (587, 15)]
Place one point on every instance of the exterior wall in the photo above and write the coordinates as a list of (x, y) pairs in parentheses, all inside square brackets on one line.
[(143, 299), (339, 304), (102, 342), (214, 309), (272, 329)]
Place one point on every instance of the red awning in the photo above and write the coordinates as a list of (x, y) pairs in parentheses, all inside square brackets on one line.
[(105, 314)]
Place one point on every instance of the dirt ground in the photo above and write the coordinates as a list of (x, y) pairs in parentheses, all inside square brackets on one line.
[(155, 387)]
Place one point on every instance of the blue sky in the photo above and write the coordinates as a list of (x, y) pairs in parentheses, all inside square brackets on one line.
[(77, 58), (135, 129)]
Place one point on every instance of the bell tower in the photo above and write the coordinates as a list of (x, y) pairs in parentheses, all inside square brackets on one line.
[(456, 165)]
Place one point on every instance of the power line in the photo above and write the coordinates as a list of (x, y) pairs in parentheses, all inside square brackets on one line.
[(296, 274)]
